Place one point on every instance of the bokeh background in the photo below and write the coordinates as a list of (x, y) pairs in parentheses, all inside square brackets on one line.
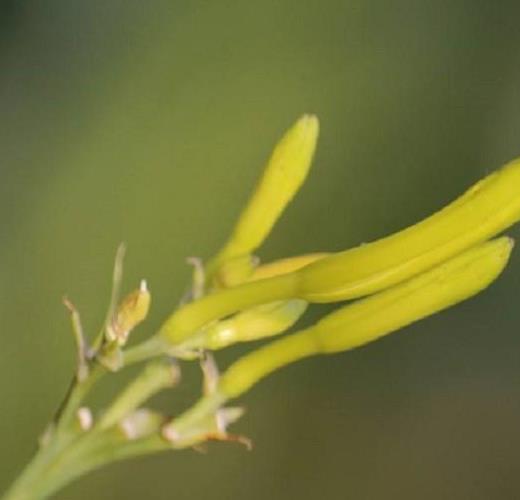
[(148, 122)]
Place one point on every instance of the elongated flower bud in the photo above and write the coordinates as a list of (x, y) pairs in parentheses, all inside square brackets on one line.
[(282, 178), (253, 324), (485, 210), (371, 318)]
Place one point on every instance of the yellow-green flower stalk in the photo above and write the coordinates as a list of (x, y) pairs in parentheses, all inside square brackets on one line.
[(364, 321), (485, 210), (283, 176), (154, 377)]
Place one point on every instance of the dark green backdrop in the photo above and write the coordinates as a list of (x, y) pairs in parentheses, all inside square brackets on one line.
[(148, 121)]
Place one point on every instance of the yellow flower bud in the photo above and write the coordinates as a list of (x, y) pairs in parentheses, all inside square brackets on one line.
[(378, 315), (132, 310), (253, 324), (443, 286), (283, 176), (485, 210)]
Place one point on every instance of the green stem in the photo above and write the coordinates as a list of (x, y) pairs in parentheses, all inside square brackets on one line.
[(28, 485), (75, 396), (151, 348), (50, 470), (62, 435)]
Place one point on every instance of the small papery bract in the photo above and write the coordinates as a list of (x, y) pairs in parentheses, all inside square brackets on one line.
[(132, 311)]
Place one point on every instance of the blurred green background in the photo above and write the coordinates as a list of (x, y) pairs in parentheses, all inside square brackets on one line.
[(148, 122)]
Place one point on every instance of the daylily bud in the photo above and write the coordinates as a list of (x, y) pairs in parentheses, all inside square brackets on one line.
[(253, 324), (378, 315), (282, 178), (485, 210), (131, 311)]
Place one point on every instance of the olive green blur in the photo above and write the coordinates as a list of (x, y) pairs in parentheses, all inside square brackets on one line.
[(150, 122)]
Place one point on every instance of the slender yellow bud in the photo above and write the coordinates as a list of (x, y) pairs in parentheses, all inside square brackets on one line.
[(378, 315), (488, 208), (443, 286), (283, 176)]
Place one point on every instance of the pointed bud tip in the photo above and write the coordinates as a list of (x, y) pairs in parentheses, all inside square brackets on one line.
[(309, 123)]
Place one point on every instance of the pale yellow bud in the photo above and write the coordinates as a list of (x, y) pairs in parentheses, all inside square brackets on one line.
[(283, 176), (252, 324), (485, 210), (132, 310)]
